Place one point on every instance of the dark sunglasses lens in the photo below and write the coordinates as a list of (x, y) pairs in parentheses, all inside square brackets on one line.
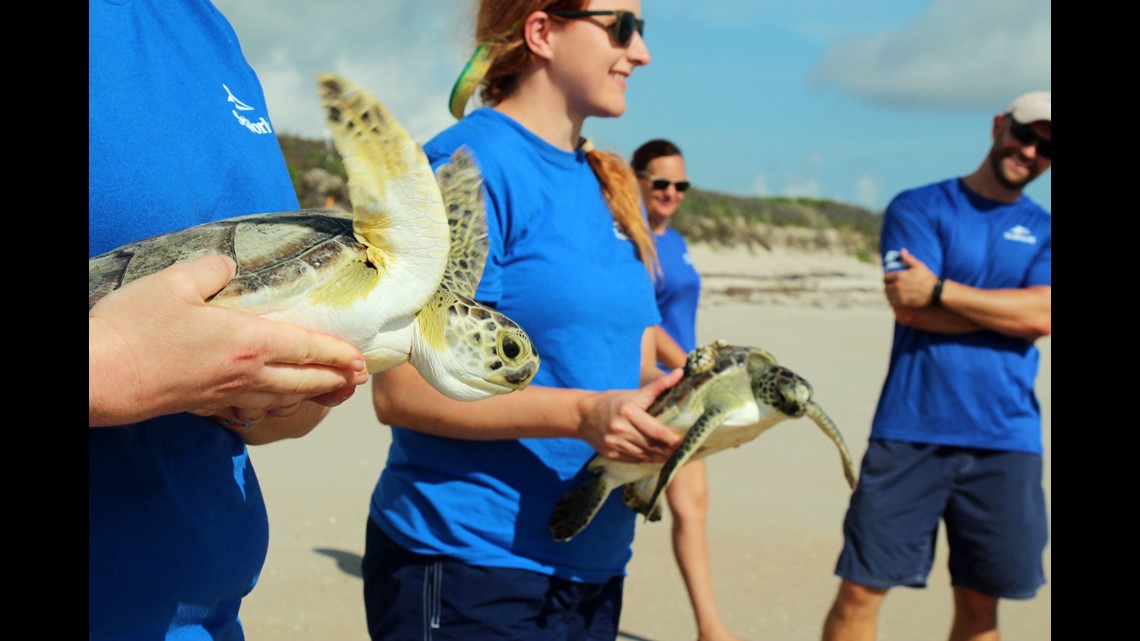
[(1025, 135), (682, 186), (660, 184), (623, 29)]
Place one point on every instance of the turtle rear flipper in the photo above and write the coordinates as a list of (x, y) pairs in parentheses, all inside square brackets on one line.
[(816, 413), (574, 511)]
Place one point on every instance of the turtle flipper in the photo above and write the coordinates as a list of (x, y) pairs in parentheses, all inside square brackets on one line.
[(398, 213), (460, 184), (708, 421), (816, 413), (574, 511)]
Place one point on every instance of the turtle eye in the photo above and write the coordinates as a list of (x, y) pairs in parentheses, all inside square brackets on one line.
[(511, 349)]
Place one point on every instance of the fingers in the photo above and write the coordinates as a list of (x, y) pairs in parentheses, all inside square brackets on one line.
[(207, 274), (292, 344)]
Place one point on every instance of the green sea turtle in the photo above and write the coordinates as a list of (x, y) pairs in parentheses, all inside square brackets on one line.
[(395, 277), (728, 396)]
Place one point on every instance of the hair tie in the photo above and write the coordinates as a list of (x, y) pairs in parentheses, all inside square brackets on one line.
[(585, 145), (470, 78)]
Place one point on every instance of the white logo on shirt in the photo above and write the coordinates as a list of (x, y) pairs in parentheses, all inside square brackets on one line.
[(1020, 234), (619, 233), (260, 127), (891, 260)]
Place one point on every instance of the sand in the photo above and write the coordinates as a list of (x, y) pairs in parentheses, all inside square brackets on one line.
[(777, 503)]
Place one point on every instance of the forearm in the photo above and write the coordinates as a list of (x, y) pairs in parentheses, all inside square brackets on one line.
[(402, 397), (935, 319), (1021, 313), (669, 353)]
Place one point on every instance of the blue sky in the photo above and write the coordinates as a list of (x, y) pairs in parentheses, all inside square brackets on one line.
[(850, 100)]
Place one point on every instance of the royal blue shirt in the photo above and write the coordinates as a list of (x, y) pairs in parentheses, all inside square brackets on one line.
[(678, 289), (561, 269), (178, 135), (974, 389)]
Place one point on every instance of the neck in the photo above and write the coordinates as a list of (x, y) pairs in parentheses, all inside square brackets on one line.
[(541, 108), (657, 224)]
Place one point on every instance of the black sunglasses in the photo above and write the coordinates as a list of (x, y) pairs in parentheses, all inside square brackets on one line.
[(1025, 135), (661, 184), (621, 31)]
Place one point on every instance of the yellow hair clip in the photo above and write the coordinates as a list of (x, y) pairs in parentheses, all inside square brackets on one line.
[(472, 75)]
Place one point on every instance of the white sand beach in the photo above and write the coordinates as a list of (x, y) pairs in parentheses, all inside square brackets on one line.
[(777, 503)]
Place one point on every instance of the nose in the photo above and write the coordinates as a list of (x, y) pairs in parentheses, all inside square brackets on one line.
[(638, 51)]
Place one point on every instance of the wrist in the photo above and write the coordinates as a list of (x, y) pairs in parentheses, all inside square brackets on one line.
[(936, 295)]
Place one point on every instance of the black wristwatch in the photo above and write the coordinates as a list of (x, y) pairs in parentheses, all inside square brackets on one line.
[(936, 297)]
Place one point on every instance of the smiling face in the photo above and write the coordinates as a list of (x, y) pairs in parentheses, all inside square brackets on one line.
[(1015, 164), (660, 204), (589, 67)]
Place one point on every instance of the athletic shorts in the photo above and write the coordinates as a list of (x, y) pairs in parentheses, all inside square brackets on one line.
[(992, 503), (412, 597)]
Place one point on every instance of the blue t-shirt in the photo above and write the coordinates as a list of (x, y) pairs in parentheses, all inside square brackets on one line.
[(179, 135), (678, 289), (560, 268), (975, 389)]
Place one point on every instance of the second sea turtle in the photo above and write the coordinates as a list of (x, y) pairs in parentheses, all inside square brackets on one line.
[(729, 395)]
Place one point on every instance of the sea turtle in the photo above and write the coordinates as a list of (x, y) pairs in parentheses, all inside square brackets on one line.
[(395, 277), (728, 396)]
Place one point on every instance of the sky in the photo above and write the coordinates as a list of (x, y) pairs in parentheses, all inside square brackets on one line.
[(846, 100)]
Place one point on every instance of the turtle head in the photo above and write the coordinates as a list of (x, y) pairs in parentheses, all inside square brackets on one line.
[(469, 351), (781, 388)]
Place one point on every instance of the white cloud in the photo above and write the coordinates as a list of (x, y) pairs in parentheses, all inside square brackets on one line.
[(802, 187), (759, 185), (868, 190), (960, 54)]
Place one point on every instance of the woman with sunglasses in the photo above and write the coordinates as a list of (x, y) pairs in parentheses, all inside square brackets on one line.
[(458, 541), (660, 169)]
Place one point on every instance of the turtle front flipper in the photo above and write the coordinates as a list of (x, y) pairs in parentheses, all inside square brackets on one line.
[(708, 421), (816, 413), (574, 511), (460, 185), (398, 213)]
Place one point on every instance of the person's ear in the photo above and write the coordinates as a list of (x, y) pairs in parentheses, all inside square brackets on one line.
[(537, 33), (995, 133)]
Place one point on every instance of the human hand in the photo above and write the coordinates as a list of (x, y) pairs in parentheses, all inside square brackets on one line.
[(616, 424), (157, 347), (911, 287)]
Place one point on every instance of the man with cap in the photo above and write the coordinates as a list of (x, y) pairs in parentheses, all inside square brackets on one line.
[(956, 434)]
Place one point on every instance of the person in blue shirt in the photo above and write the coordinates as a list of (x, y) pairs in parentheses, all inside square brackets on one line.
[(956, 435), (660, 169), (179, 135), (458, 543)]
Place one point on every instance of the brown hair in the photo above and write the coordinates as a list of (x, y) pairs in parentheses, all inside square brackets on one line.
[(498, 26), (652, 150)]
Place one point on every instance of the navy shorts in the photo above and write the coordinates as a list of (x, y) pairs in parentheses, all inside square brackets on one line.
[(992, 503), (412, 597)]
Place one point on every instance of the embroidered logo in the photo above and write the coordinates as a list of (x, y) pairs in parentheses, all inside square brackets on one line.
[(891, 260), (260, 127), (1021, 234)]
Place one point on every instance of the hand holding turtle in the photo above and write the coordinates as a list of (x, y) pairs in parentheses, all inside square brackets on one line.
[(616, 424), (911, 287), (156, 347)]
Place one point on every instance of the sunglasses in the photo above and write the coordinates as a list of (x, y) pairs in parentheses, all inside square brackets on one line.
[(621, 31), (661, 184), (1025, 135)]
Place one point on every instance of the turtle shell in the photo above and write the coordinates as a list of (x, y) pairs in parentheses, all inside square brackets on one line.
[(279, 256)]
